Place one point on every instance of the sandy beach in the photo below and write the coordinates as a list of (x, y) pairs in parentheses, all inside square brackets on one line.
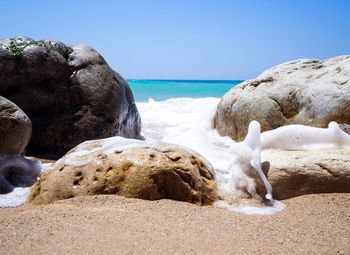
[(312, 224), (112, 112)]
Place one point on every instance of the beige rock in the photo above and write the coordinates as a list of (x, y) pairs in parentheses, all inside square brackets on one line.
[(308, 92), (141, 171), (295, 173)]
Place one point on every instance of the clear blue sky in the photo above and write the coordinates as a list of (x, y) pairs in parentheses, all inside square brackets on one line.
[(188, 39)]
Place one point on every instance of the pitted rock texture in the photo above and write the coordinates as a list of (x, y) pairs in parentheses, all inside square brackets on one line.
[(296, 173), (146, 172), (15, 128), (69, 93), (308, 92)]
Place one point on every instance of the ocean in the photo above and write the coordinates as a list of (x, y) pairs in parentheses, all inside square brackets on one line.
[(160, 90)]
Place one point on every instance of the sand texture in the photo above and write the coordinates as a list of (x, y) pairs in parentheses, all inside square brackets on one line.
[(311, 224)]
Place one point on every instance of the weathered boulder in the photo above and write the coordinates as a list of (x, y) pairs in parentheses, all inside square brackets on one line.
[(15, 128), (295, 173), (309, 92), (128, 168), (70, 94)]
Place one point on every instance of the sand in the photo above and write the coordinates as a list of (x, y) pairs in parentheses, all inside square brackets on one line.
[(312, 224)]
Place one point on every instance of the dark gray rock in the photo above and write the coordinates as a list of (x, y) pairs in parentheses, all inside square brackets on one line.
[(17, 171), (69, 93), (15, 128), (345, 128)]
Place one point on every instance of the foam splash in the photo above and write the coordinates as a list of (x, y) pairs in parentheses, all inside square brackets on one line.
[(300, 137), (188, 122)]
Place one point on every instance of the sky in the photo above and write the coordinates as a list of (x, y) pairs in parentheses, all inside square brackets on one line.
[(187, 39)]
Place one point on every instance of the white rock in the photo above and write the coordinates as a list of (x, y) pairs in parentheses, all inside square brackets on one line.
[(307, 92)]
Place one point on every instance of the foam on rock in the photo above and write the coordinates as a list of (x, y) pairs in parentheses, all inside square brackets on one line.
[(300, 137)]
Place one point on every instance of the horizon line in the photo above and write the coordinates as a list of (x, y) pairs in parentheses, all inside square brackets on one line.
[(152, 79)]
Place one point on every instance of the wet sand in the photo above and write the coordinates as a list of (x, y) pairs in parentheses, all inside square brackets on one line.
[(312, 224)]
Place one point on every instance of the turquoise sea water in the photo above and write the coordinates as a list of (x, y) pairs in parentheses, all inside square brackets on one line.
[(165, 89)]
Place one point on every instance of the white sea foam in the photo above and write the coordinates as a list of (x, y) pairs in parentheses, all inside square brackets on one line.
[(299, 137), (267, 210), (187, 122), (15, 198)]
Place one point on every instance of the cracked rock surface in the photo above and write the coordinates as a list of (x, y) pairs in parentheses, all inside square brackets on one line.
[(70, 94), (296, 173), (308, 91), (140, 171)]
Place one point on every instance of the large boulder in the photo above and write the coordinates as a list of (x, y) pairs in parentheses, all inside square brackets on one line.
[(309, 92), (128, 168), (295, 173), (15, 128), (69, 93)]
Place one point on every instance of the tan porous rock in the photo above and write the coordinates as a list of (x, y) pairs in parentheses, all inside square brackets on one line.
[(137, 169)]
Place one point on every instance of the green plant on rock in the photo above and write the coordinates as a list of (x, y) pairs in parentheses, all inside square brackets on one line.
[(15, 49), (18, 50)]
